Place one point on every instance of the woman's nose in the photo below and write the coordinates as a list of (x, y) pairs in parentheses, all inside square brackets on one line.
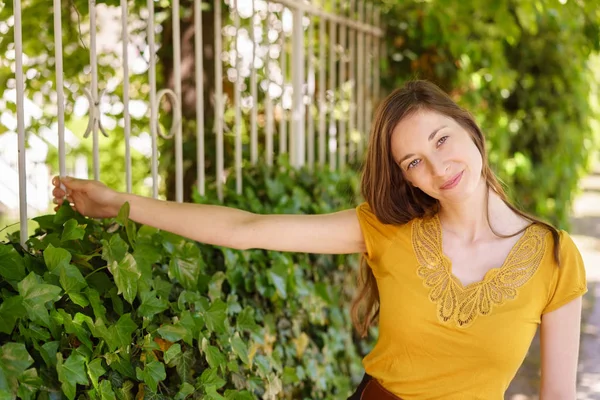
[(439, 168)]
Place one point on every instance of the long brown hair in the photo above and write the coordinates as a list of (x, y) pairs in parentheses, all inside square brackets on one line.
[(392, 199)]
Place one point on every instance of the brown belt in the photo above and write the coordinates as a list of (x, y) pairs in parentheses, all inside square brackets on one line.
[(374, 391)]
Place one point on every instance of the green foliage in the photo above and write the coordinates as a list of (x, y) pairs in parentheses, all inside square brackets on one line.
[(525, 70), (113, 310)]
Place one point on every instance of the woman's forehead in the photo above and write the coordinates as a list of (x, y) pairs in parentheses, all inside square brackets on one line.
[(421, 123)]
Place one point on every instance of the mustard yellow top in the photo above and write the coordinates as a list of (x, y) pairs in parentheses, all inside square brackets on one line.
[(439, 339)]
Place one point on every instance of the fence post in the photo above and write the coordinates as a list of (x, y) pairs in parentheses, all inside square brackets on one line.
[(24, 234), (298, 149)]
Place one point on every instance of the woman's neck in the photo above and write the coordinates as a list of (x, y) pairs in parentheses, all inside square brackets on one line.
[(468, 219)]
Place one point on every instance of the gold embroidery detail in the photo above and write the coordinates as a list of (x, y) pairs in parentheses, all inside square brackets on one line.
[(462, 304)]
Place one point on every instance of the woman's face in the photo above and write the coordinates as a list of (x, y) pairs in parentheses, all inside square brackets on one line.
[(437, 155)]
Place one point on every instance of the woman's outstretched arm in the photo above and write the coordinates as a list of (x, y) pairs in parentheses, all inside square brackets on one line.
[(560, 332), (335, 233)]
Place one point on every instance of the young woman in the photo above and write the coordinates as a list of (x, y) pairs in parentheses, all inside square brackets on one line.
[(456, 277)]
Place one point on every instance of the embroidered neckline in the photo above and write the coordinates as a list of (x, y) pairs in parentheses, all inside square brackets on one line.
[(462, 304)]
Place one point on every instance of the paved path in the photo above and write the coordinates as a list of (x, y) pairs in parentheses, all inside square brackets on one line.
[(586, 234)]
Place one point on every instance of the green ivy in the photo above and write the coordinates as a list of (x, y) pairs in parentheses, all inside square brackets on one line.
[(114, 310)]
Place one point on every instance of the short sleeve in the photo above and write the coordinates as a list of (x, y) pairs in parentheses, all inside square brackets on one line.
[(377, 235), (569, 280)]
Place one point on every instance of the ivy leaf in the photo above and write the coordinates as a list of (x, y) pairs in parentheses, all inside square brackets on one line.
[(171, 353), (56, 258), (35, 296), (151, 305), (185, 390), (245, 320), (72, 231), (215, 316), (153, 373), (58, 261), (119, 335), (97, 305), (14, 360), (190, 323), (263, 364), (210, 377), (185, 266), (174, 333), (105, 391), (211, 394), (183, 362), (214, 287), (79, 299), (114, 250), (278, 275), (239, 348), (11, 309), (289, 376), (29, 383), (34, 292), (71, 279), (64, 213), (238, 395), (214, 356), (48, 352), (126, 274), (71, 373), (46, 222), (95, 370), (123, 215), (11, 264), (74, 326), (125, 392)]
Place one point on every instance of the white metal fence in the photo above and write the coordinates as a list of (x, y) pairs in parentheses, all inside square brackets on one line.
[(327, 102)]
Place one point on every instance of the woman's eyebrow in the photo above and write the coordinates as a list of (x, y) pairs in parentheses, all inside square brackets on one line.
[(430, 138)]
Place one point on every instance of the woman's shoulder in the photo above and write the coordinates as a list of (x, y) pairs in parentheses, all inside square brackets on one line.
[(383, 222), (384, 217)]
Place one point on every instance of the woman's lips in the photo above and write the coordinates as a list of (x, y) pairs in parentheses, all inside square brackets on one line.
[(452, 182)]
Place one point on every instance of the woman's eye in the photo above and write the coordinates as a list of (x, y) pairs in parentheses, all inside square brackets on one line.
[(413, 163), (442, 140)]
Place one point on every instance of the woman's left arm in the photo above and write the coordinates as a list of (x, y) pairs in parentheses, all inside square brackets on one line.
[(560, 350)]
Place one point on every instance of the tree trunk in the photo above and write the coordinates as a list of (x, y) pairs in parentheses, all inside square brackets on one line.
[(188, 78)]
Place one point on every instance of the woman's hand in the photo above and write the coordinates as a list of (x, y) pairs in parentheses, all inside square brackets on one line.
[(90, 198)]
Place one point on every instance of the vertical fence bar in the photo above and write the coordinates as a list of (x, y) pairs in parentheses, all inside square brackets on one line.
[(322, 100), (360, 82), (352, 100), (219, 99), (343, 97), (177, 109), (332, 137), (377, 61), (298, 153), (126, 115), (254, 92), (311, 95), (283, 65), (237, 89), (95, 107), (60, 91), (368, 75), (268, 100), (198, 49), (24, 233), (153, 104)]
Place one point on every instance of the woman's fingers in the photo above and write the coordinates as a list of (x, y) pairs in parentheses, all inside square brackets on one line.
[(58, 192)]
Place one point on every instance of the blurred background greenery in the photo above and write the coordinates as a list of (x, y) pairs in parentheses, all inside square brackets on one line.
[(528, 70)]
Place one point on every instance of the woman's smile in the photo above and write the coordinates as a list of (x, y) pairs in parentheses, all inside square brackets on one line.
[(452, 182)]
